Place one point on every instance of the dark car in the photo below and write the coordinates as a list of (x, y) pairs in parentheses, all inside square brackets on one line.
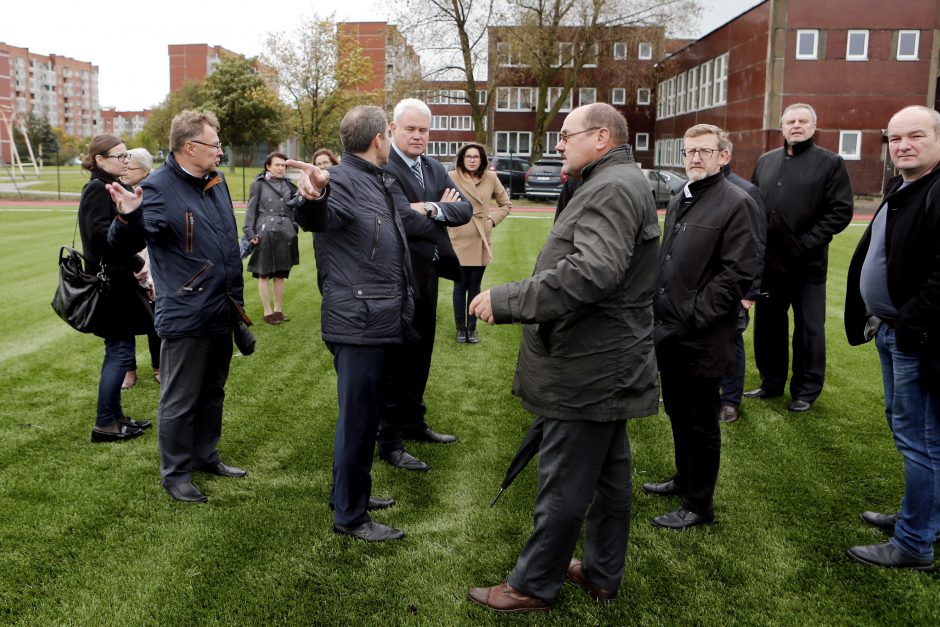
[(511, 173), (664, 184), (544, 179)]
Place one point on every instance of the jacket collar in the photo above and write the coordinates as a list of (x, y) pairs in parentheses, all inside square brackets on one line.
[(927, 180), (799, 147), (359, 163), (695, 188), (619, 154), (202, 184)]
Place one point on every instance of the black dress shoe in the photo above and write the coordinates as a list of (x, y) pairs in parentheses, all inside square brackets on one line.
[(403, 459), (136, 424), (222, 470), (186, 492), (376, 502), (799, 406), (461, 335), (371, 532), (426, 435), (667, 488), (762, 392), (682, 519), (889, 556), (472, 337), (124, 433), (885, 522)]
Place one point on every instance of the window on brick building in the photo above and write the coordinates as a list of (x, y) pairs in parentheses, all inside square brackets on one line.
[(438, 122), (856, 46), (643, 96), (554, 93), (661, 100), (908, 43), (641, 142), (692, 95), (680, 94), (587, 95), (618, 96), (515, 142), (807, 44), (620, 51), (515, 98), (551, 140), (705, 86), (481, 97), (721, 79), (645, 51), (565, 54), (850, 144)]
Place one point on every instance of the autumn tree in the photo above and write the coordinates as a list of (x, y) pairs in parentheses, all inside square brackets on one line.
[(320, 72), (248, 109), (42, 139), (155, 135)]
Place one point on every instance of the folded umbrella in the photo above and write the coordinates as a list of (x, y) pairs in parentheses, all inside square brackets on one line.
[(527, 450)]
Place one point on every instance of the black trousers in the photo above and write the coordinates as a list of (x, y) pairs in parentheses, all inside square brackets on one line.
[(692, 403), (408, 375), (189, 419), (584, 478), (465, 290), (771, 335), (360, 378)]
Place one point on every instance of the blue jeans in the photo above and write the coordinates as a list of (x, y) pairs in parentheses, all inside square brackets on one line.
[(912, 413), (118, 359)]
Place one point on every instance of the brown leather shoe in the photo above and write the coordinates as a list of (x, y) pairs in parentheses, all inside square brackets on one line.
[(504, 598), (271, 319), (576, 575)]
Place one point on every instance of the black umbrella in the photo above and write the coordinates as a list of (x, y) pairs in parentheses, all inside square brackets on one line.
[(527, 450)]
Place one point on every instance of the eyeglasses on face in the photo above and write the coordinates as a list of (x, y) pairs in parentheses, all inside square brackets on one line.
[(563, 136), (471, 156), (704, 153), (124, 156), (215, 146)]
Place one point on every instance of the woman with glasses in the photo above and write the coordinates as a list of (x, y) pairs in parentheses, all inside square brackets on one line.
[(269, 224), (324, 158), (124, 311), (472, 241), (138, 167)]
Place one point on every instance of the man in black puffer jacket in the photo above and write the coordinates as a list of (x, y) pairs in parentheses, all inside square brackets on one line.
[(364, 274), (183, 213)]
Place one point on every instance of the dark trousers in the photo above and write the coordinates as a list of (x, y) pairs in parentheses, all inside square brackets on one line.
[(465, 290), (771, 333), (408, 376), (584, 476), (153, 344), (732, 384), (360, 377), (692, 403), (193, 371)]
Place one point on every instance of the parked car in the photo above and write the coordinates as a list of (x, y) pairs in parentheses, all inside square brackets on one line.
[(544, 179), (664, 184), (450, 166), (511, 173)]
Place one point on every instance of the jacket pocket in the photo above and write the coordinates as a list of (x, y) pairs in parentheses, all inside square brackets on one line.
[(190, 286), (375, 238), (190, 227)]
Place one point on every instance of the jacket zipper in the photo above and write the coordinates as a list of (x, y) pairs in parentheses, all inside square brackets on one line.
[(375, 238), (190, 227), (188, 285)]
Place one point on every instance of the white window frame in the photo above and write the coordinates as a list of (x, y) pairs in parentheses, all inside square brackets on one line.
[(590, 91), (504, 54), (481, 97), (438, 122), (641, 142), (552, 96), (670, 96), (692, 85), (721, 80), (512, 98), (590, 55), (661, 100), (909, 57), (705, 86), (680, 94), (505, 138), (850, 155), (565, 54), (551, 140), (620, 51), (452, 148), (806, 55), (643, 96), (618, 95), (644, 51), (863, 56)]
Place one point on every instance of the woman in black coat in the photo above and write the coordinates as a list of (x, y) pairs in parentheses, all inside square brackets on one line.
[(124, 311), (269, 224)]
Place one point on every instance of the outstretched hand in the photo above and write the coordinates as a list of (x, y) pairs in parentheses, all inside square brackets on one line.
[(482, 307), (313, 180), (124, 200)]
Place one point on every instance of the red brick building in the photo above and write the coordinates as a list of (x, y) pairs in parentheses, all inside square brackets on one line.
[(855, 61), (123, 123), (391, 55), (193, 62)]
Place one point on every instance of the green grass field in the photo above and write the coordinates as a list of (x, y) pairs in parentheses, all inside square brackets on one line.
[(88, 536)]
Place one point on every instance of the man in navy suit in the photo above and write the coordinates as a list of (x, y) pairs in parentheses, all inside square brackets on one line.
[(430, 191)]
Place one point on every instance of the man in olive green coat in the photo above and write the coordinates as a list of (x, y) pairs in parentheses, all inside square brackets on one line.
[(586, 364)]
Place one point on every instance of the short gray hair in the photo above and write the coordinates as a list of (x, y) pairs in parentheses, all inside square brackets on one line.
[(799, 105), (143, 157), (410, 103), (189, 125), (934, 115), (602, 115), (360, 126)]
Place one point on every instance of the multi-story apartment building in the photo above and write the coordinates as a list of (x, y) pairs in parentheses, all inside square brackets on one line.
[(392, 57), (62, 90), (193, 62), (855, 61), (124, 123)]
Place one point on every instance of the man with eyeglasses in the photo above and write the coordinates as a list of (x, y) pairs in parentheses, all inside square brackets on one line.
[(586, 364), (183, 213), (808, 196), (709, 258)]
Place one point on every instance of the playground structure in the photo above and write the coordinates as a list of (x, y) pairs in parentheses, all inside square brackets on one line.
[(10, 120)]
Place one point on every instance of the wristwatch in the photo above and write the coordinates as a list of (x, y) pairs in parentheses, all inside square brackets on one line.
[(430, 209)]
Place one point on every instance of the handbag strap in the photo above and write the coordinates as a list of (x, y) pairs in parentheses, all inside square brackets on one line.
[(75, 232)]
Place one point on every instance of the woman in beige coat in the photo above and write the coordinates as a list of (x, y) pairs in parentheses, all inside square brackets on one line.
[(472, 240)]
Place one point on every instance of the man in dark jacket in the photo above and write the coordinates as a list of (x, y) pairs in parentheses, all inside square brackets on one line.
[(893, 295), (586, 364), (710, 257), (183, 213), (808, 197), (430, 190), (364, 274)]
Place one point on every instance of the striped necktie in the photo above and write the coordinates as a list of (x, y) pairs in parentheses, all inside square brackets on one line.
[(416, 168)]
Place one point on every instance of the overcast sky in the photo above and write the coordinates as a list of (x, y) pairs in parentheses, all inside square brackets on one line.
[(130, 48)]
